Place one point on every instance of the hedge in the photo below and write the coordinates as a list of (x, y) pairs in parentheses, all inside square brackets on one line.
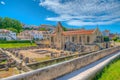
[(16, 41)]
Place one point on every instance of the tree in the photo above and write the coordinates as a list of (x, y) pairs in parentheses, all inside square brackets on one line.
[(12, 29), (6, 22), (0, 22), (106, 39), (64, 28), (116, 38), (17, 25), (42, 29), (10, 24)]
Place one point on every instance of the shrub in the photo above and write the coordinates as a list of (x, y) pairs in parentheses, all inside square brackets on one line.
[(106, 39), (16, 41)]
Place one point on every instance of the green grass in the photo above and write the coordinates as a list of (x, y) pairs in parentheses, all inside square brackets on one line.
[(16, 45), (4, 62), (118, 40), (112, 72)]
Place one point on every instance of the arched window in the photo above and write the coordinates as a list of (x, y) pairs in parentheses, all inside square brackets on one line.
[(73, 39), (80, 38), (58, 30), (88, 39), (52, 39)]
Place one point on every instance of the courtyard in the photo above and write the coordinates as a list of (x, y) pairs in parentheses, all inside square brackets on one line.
[(42, 54)]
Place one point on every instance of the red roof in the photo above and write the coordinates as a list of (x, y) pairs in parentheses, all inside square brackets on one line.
[(107, 31), (76, 32), (4, 31), (53, 35)]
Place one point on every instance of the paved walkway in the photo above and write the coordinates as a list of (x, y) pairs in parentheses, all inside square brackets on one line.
[(86, 72)]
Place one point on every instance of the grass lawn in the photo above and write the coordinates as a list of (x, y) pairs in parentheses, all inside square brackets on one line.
[(112, 72), (3, 62), (16, 45)]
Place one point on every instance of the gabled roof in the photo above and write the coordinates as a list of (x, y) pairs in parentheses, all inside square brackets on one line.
[(74, 32), (78, 32)]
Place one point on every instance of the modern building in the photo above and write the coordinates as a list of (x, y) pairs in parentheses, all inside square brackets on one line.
[(7, 35), (61, 39)]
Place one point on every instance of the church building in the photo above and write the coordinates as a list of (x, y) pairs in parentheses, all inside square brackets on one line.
[(60, 38)]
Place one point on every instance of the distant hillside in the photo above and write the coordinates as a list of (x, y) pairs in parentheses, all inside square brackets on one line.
[(47, 27), (41, 27)]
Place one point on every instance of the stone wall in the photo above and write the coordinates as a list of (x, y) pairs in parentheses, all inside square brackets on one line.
[(63, 68), (37, 65)]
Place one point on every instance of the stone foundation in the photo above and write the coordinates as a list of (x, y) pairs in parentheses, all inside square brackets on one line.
[(63, 68)]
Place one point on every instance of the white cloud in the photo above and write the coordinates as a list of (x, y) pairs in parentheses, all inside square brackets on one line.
[(86, 12), (2, 2), (81, 23)]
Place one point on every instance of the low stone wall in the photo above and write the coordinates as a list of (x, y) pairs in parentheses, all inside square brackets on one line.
[(37, 65), (63, 68), (94, 72)]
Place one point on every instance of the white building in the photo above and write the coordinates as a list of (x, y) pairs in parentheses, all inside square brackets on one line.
[(7, 35), (106, 33), (33, 34)]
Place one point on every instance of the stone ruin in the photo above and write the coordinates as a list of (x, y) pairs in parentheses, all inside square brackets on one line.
[(8, 61), (70, 46)]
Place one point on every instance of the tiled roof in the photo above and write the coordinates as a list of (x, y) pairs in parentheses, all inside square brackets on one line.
[(75, 32), (53, 34), (4, 31), (78, 32), (107, 31)]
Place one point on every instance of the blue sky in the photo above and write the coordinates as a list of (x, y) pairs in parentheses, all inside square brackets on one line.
[(72, 13)]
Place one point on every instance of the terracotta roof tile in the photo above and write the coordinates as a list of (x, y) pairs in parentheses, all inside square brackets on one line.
[(107, 31), (76, 32), (4, 31), (53, 34)]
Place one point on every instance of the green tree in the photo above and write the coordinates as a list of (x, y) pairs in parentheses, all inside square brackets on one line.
[(106, 39), (6, 23), (12, 29), (0, 22), (42, 29), (64, 28), (12, 24), (116, 38), (17, 25)]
